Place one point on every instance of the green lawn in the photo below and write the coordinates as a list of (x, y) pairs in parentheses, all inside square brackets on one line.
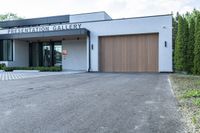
[(187, 92)]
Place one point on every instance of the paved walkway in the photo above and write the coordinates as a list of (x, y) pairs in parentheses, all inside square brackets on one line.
[(23, 75)]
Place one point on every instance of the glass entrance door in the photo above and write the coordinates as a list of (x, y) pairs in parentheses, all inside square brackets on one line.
[(47, 54), (57, 54)]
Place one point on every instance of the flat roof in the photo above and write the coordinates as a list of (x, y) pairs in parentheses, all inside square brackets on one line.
[(126, 18), (35, 21), (59, 19)]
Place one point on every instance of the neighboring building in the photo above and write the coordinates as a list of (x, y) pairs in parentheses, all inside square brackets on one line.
[(89, 42)]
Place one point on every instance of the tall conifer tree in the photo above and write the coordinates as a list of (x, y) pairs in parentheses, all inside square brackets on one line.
[(174, 34), (196, 69), (179, 48), (190, 47), (185, 43)]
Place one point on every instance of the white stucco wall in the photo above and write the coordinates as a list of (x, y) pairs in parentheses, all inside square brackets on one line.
[(76, 58), (156, 24), (89, 17), (20, 54)]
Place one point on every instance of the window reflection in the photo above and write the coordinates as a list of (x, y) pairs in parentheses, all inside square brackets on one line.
[(6, 50)]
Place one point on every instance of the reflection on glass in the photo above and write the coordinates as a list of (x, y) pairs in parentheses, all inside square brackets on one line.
[(46, 55), (6, 50), (57, 55)]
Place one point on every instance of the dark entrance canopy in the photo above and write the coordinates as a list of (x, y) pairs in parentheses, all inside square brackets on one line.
[(72, 32)]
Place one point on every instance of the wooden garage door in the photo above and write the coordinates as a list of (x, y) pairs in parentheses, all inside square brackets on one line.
[(131, 53)]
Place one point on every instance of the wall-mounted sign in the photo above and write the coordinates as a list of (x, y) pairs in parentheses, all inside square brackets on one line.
[(64, 52), (44, 28)]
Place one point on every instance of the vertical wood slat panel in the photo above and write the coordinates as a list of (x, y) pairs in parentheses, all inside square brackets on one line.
[(131, 53)]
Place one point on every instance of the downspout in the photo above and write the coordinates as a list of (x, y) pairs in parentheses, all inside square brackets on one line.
[(89, 50)]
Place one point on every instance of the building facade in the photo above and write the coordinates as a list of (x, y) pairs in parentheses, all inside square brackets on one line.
[(89, 42)]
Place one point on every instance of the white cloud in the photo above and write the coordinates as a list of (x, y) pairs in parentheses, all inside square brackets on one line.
[(116, 8)]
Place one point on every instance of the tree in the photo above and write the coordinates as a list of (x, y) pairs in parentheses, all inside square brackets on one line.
[(190, 47), (174, 33), (179, 49), (195, 13), (188, 16), (175, 28), (9, 16), (181, 44), (185, 43), (196, 69)]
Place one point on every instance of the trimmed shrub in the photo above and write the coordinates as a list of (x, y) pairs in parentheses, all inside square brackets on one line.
[(42, 69), (2, 66)]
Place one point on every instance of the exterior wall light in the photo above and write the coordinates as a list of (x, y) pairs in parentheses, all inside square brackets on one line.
[(92, 46), (165, 44)]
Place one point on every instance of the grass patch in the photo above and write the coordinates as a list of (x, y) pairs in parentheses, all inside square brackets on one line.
[(194, 120), (187, 91), (197, 83), (192, 93), (196, 102)]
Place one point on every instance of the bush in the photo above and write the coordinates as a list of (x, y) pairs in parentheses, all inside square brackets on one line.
[(42, 69), (2, 66)]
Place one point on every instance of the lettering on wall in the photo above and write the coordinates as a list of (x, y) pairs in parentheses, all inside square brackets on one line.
[(44, 28)]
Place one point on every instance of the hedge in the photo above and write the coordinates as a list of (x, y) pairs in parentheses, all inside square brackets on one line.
[(42, 69)]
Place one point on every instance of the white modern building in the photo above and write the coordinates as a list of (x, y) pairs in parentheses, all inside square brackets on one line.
[(89, 42)]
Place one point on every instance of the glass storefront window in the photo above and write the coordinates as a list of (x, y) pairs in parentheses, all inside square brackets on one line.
[(6, 50)]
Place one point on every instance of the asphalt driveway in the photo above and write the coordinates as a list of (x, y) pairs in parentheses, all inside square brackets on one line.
[(89, 103)]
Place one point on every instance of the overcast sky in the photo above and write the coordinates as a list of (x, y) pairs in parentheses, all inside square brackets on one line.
[(115, 8)]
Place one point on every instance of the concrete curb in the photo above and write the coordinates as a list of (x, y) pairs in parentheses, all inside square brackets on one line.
[(171, 87), (26, 71)]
